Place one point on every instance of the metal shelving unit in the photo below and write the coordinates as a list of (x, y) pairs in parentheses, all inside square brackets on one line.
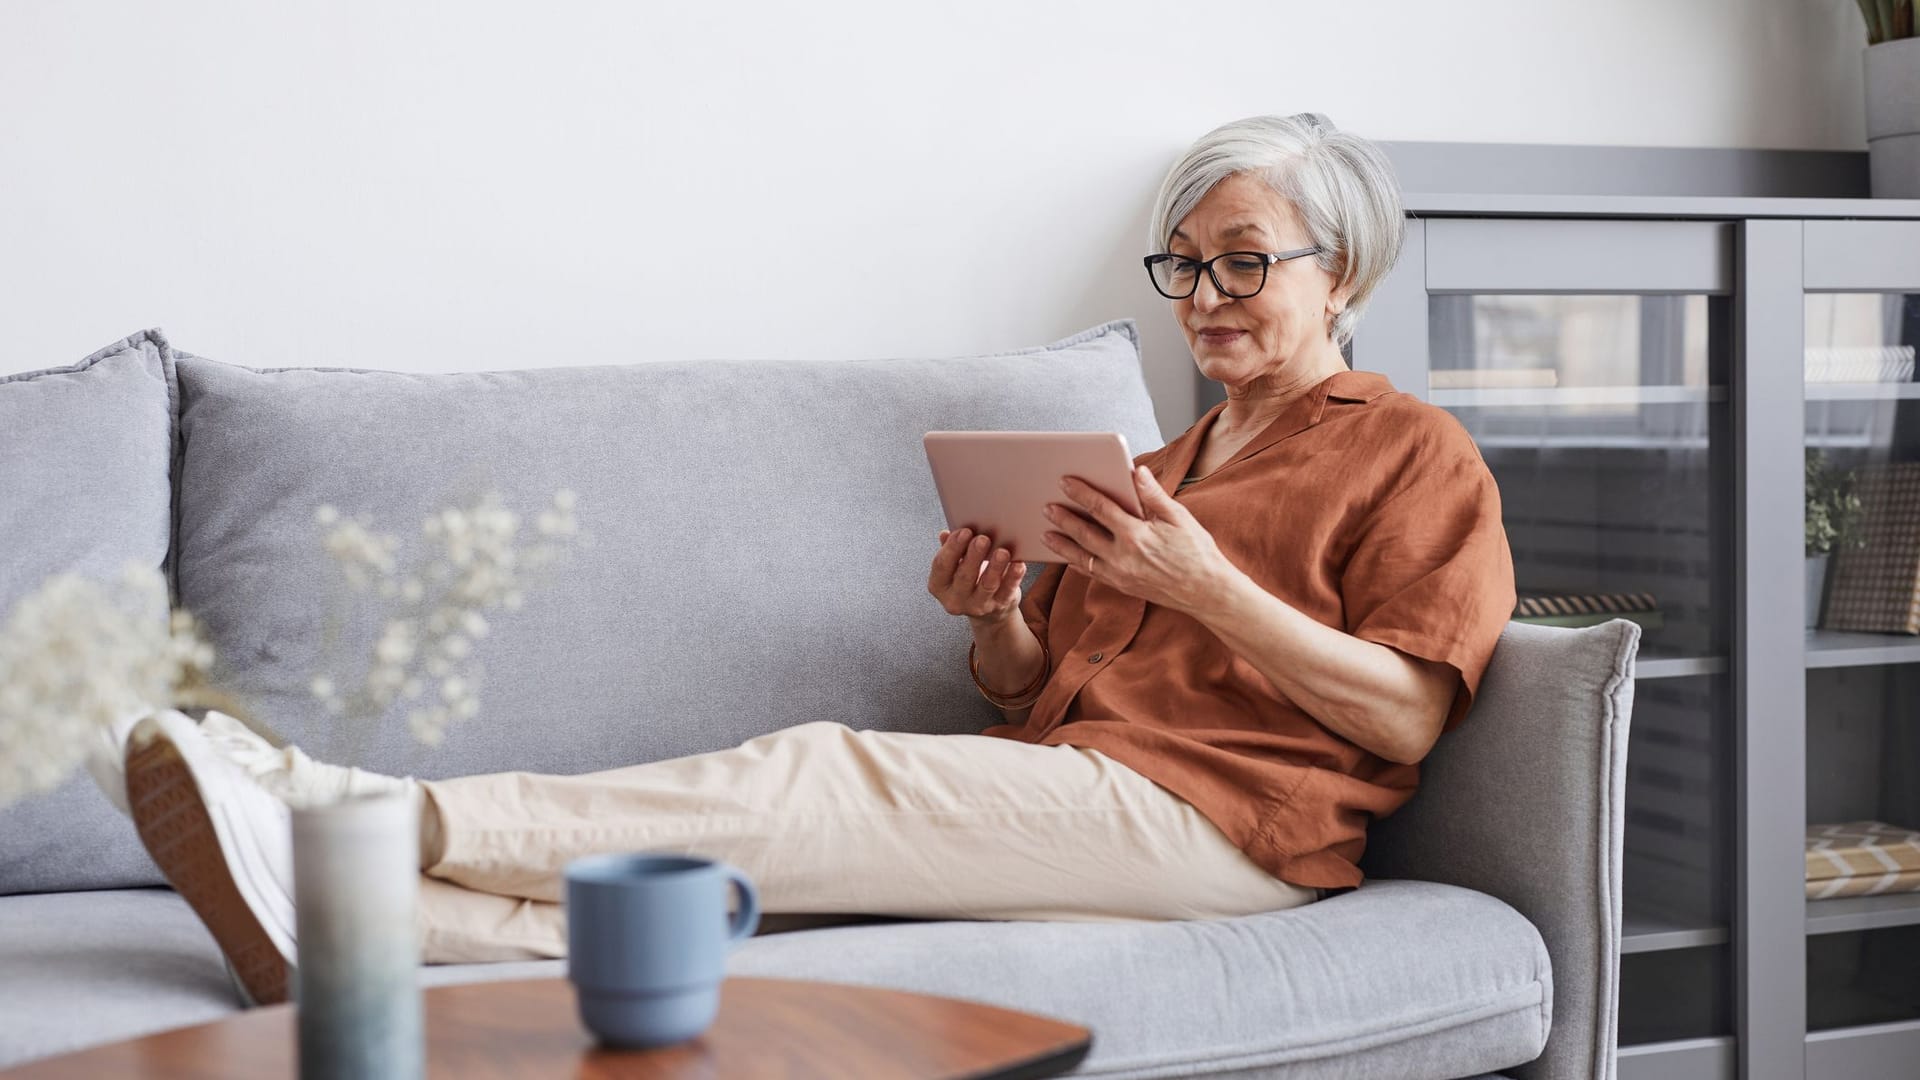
[(1660, 450)]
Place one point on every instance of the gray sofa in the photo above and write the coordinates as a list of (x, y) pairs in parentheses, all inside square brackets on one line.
[(760, 538)]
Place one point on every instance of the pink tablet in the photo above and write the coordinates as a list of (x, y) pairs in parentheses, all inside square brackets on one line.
[(998, 482)]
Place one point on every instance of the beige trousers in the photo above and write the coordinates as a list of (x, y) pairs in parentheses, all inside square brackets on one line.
[(829, 820)]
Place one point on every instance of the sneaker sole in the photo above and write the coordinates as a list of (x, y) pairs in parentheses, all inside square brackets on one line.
[(178, 832)]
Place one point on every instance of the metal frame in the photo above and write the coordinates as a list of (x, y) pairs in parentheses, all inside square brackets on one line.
[(1475, 255), (1476, 169), (1769, 675)]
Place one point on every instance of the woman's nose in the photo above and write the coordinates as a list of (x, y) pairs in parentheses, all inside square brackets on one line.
[(1206, 297)]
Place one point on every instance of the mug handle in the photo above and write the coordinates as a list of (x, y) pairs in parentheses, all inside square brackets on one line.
[(747, 919)]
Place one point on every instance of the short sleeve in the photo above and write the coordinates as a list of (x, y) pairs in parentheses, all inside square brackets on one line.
[(1430, 573), (1038, 598)]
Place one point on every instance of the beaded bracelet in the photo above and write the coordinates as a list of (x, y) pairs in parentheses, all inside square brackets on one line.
[(1023, 697)]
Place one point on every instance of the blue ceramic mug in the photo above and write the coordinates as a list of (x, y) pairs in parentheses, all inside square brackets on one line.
[(647, 943)]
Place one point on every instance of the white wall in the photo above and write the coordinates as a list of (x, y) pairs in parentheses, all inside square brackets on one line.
[(476, 184)]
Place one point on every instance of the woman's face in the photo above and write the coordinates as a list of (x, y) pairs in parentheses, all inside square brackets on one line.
[(1237, 341)]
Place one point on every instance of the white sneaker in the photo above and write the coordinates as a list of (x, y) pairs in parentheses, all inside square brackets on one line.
[(107, 757), (223, 842), (288, 773)]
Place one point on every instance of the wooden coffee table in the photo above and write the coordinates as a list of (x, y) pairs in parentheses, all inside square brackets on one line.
[(767, 1027)]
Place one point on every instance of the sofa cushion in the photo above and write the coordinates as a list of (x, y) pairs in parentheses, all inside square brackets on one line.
[(761, 538), (85, 488), (1397, 978), (78, 969)]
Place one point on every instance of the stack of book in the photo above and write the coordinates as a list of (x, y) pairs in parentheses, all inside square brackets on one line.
[(1861, 858), (1589, 610)]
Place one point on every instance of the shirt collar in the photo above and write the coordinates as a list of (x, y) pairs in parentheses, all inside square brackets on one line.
[(1176, 458), (1357, 385)]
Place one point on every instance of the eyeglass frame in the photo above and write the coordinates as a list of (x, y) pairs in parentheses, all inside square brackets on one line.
[(1267, 260)]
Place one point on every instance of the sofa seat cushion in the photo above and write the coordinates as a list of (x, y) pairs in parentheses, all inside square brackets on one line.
[(1397, 978), (82, 968)]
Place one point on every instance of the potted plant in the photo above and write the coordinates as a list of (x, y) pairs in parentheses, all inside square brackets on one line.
[(1893, 97), (1833, 521)]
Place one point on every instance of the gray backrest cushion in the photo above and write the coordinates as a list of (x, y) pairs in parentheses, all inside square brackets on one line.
[(84, 455), (762, 538), (1525, 801)]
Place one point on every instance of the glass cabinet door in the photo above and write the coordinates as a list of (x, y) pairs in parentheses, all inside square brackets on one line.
[(1862, 498), (1590, 361)]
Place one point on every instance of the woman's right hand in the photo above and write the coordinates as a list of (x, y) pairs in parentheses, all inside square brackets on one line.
[(961, 586)]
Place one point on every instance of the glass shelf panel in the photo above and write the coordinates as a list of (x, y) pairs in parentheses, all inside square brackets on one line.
[(1863, 670), (1485, 342), (1606, 421), (1677, 859), (1841, 648), (1867, 977), (1644, 929), (1844, 914), (1863, 765), (1671, 994)]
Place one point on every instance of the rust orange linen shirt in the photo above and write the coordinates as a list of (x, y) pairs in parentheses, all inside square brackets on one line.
[(1365, 508)]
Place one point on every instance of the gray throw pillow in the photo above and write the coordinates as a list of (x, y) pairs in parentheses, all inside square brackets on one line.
[(762, 537), (87, 451)]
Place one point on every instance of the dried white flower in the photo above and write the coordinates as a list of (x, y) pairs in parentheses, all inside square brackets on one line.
[(433, 610), (79, 656)]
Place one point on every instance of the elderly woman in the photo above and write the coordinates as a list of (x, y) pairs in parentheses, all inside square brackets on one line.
[(1204, 705)]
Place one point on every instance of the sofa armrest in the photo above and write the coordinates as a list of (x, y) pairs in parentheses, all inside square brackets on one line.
[(1525, 801)]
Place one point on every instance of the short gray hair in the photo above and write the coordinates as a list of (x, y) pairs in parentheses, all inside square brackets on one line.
[(1341, 185)]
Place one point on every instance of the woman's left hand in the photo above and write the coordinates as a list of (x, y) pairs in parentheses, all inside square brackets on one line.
[(1164, 558)]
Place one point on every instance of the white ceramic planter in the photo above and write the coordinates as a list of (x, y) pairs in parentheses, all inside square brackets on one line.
[(1816, 587), (1893, 118), (356, 869)]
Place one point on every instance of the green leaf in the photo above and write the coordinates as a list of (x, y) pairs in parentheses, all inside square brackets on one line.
[(1872, 14)]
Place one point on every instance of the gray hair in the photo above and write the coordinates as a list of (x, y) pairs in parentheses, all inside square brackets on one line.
[(1340, 184)]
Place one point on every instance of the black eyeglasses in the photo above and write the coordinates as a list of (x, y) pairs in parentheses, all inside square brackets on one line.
[(1243, 274)]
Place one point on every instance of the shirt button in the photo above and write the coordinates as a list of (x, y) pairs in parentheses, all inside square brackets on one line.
[(1095, 658)]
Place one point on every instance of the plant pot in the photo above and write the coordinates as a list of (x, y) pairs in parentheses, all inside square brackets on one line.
[(356, 867), (1893, 118), (1816, 587)]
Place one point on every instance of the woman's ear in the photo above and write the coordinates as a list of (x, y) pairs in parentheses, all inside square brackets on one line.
[(1338, 299)]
